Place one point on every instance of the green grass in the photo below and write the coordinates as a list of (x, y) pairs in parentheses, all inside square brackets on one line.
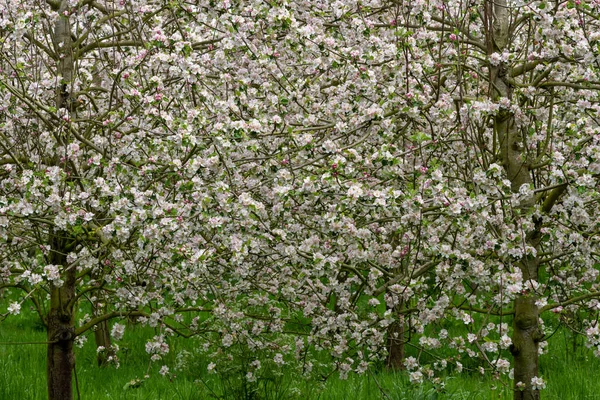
[(569, 374)]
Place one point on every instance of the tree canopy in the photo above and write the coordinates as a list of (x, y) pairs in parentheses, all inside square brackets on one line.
[(306, 174)]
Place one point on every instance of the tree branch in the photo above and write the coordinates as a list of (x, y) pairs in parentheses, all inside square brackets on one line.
[(105, 317), (570, 301)]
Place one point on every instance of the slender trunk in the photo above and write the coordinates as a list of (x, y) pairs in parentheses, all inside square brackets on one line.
[(61, 317), (395, 345), (61, 328), (102, 336), (526, 331), (63, 46)]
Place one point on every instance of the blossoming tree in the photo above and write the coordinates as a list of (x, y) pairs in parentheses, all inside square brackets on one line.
[(343, 176), (99, 162)]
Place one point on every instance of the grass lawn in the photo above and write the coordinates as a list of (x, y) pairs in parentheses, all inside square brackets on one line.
[(570, 374)]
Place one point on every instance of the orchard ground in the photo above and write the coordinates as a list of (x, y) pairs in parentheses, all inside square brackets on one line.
[(568, 371)]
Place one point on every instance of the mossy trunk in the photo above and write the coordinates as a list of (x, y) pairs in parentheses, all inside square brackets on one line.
[(514, 158), (526, 331), (524, 349)]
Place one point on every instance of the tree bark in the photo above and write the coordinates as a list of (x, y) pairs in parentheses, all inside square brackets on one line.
[(61, 328), (526, 331), (102, 337), (395, 343), (525, 347), (61, 316), (61, 359)]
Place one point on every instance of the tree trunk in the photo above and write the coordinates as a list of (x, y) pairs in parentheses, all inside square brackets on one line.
[(395, 344), (61, 359), (61, 318), (525, 347), (526, 331), (61, 327), (102, 336)]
